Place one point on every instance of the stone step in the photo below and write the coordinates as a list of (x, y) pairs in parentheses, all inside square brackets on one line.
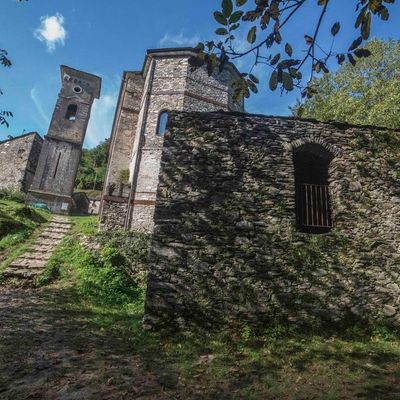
[(21, 273), (33, 261), (39, 255), (61, 220), (59, 226), (48, 242), (51, 235), (41, 248), (57, 230), (27, 262)]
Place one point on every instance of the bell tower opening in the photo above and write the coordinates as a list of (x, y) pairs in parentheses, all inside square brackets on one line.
[(71, 112)]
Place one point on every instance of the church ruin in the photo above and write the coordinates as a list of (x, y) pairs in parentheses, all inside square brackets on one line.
[(165, 83)]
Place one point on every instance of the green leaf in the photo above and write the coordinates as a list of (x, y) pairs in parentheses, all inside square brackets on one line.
[(362, 53), (254, 78), (353, 62), (227, 8), (240, 3), (252, 35), (384, 13), (221, 31), (366, 27), (273, 81), (200, 46), (293, 71), (252, 86), (220, 18), (235, 17), (288, 49), (335, 28), (287, 81), (356, 43), (275, 59)]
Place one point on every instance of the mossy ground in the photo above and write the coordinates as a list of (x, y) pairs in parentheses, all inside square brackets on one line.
[(80, 336)]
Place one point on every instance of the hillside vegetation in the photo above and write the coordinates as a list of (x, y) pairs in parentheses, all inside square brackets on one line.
[(18, 223), (92, 168)]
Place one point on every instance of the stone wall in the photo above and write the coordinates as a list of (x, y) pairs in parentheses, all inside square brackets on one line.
[(113, 214), (18, 161), (225, 243), (124, 129)]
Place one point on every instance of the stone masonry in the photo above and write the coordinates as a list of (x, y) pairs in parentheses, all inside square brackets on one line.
[(165, 83), (226, 244), (55, 175), (18, 161)]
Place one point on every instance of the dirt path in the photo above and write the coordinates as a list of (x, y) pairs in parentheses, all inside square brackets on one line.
[(48, 351), (52, 346)]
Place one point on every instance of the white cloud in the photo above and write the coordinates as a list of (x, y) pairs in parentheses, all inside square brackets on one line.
[(35, 98), (102, 115), (179, 39), (51, 31)]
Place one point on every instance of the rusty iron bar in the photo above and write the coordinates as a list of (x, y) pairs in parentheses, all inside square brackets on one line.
[(313, 206)]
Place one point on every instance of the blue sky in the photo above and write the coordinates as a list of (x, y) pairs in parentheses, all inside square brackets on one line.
[(106, 37)]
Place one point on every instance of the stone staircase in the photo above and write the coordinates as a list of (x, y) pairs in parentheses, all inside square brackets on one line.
[(31, 264)]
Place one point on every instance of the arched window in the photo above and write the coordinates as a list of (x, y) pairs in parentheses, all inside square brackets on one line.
[(71, 112), (313, 201), (162, 123)]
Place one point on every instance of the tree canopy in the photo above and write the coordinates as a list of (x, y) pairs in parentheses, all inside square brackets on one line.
[(92, 168), (368, 93), (265, 22)]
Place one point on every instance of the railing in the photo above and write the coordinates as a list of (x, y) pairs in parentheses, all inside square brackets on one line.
[(313, 206)]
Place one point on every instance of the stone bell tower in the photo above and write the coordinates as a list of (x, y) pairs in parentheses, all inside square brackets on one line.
[(55, 175)]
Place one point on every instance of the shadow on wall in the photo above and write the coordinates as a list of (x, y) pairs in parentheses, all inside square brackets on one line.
[(226, 245)]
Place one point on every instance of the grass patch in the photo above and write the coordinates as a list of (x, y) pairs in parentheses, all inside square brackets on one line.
[(18, 225), (87, 225)]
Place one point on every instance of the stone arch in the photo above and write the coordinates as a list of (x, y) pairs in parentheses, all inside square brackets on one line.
[(313, 140)]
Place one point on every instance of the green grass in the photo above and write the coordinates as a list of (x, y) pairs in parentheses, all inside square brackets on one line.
[(19, 226), (87, 225), (281, 362)]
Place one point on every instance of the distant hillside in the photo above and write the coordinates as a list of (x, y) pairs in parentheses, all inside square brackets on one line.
[(92, 168)]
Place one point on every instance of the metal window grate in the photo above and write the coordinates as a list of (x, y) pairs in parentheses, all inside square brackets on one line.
[(313, 206)]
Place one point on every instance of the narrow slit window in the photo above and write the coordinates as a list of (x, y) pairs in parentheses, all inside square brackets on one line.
[(57, 165), (71, 112), (162, 123), (313, 200)]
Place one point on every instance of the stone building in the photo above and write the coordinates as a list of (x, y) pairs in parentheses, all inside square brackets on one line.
[(165, 83), (253, 218), (55, 175), (272, 219), (19, 157)]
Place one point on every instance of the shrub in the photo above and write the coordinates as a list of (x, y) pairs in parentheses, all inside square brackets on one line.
[(12, 194), (131, 249)]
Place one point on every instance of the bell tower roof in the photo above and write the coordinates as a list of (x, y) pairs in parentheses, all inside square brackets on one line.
[(90, 81)]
